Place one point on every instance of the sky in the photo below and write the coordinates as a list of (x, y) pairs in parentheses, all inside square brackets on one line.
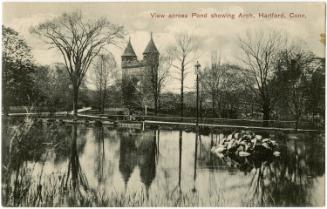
[(215, 34)]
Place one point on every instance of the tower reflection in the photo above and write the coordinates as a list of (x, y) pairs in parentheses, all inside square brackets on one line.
[(138, 150), (127, 159)]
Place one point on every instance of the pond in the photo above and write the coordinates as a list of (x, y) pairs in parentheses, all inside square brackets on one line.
[(83, 165)]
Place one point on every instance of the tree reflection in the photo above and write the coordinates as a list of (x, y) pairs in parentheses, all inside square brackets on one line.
[(178, 187), (288, 181), (100, 154), (277, 181), (75, 181), (30, 147), (180, 160), (24, 142), (157, 147)]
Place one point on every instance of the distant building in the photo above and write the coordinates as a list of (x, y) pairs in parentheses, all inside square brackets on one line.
[(134, 71)]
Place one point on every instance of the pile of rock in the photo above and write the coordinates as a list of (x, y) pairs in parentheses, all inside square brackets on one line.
[(246, 144)]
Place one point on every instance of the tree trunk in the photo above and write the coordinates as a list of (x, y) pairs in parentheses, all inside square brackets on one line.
[(200, 106), (266, 114), (103, 101), (156, 105), (102, 106), (5, 98), (213, 104), (297, 123), (75, 100), (219, 110), (298, 118), (313, 115), (182, 94), (252, 109)]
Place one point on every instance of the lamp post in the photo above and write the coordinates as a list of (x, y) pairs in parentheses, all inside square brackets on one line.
[(197, 67)]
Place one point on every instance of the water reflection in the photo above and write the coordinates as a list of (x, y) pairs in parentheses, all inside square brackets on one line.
[(138, 150), (287, 180), (100, 157), (180, 160), (128, 156), (17, 151), (147, 160), (74, 182), (101, 160), (195, 159)]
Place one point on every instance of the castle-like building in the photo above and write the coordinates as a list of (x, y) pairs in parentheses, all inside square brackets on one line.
[(131, 66), (134, 71)]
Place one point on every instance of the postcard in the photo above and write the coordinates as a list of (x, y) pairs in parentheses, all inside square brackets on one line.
[(170, 104)]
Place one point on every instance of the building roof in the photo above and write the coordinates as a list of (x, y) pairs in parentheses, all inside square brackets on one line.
[(151, 47), (129, 51)]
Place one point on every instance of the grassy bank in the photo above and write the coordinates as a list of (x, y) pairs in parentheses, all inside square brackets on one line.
[(27, 192)]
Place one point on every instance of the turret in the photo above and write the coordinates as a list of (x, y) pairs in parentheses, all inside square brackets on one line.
[(129, 55), (151, 53)]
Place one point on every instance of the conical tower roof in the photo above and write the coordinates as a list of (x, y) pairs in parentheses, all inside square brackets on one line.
[(129, 51), (151, 47)]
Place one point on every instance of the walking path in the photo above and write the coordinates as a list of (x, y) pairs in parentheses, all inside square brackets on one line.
[(228, 126), (56, 113), (154, 122)]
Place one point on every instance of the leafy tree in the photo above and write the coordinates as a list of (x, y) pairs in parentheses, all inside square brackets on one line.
[(115, 96), (130, 91), (316, 89), (225, 85), (18, 67), (293, 67), (53, 83)]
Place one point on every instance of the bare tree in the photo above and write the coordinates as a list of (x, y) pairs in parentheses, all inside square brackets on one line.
[(185, 53), (236, 88), (157, 77), (79, 41), (104, 73), (211, 80), (165, 64), (260, 50)]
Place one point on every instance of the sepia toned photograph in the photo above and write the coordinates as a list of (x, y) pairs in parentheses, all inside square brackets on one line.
[(170, 104)]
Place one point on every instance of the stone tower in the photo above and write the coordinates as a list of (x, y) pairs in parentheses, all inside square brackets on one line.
[(151, 54), (129, 58), (135, 72)]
